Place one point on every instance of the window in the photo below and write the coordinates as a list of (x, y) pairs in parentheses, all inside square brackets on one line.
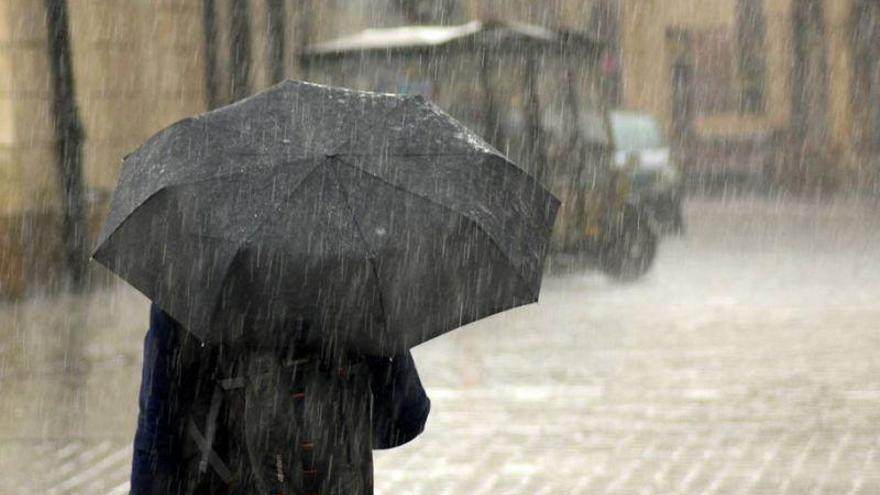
[(714, 73)]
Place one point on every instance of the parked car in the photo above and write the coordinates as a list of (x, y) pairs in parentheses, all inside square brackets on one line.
[(642, 152), (627, 195)]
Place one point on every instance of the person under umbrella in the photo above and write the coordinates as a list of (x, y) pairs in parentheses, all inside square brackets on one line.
[(178, 384), (303, 232)]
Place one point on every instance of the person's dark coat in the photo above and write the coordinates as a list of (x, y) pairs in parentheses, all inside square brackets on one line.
[(379, 403)]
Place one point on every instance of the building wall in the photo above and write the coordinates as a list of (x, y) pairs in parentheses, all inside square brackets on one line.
[(564, 13), (647, 60), (27, 179), (24, 86), (841, 118), (137, 67)]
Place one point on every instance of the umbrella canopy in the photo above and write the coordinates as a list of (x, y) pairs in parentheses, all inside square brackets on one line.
[(378, 218)]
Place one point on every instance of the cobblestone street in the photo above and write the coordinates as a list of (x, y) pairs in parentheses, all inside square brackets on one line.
[(745, 363)]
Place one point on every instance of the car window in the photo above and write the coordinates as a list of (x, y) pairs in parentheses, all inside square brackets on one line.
[(635, 132)]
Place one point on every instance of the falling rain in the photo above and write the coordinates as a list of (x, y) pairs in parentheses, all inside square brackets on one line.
[(450, 246)]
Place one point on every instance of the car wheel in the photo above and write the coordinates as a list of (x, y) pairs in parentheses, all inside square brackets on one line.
[(631, 252)]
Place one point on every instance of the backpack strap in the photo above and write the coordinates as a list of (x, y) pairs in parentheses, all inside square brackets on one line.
[(231, 383), (205, 442)]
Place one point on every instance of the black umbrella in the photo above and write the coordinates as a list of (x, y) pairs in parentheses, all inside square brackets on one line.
[(376, 217)]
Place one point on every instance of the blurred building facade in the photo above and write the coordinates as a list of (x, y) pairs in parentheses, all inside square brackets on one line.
[(782, 90), (779, 91), (785, 90), (137, 67)]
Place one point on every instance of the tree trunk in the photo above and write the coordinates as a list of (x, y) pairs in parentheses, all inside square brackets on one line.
[(240, 49), (535, 143), (574, 149), (209, 28), (798, 74), (68, 144), (277, 41), (304, 35), (874, 106), (491, 129)]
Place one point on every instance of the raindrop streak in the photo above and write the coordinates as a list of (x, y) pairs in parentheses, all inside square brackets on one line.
[(711, 282)]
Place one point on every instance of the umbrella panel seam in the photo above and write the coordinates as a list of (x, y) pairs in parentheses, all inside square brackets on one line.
[(463, 215), (249, 239), (535, 182), (163, 189), (371, 253)]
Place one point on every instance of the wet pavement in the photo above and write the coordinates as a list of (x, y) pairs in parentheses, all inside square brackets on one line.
[(745, 363)]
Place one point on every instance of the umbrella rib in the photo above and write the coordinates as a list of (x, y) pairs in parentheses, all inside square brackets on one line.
[(473, 221), (371, 255), (158, 191), (534, 183), (507, 162), (246, 242), (243, 135), (384, 118), (191, 181), (409, 155)]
